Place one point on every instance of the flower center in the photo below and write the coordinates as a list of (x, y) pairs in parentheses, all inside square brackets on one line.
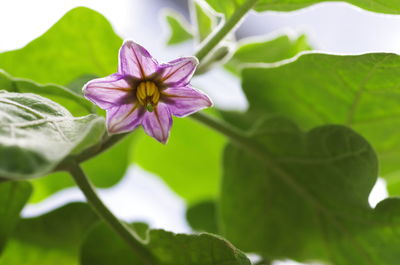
[(148, 95)]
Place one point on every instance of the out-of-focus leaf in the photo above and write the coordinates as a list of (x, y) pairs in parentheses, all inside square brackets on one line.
[(190, 162), (358, 91), (36, 134), (104, 170), (179, 28), (204, 20), (386, 6), (202, 217), (81, 42), (228, 7), (269, 51), (13, 196), (312, 186), (72, 100), (103, 247), (53, 238), (77, 84)]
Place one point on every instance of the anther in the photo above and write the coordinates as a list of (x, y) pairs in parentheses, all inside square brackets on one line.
[(148, 94)]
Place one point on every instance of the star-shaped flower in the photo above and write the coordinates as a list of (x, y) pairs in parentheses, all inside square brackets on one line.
[(144, 92)]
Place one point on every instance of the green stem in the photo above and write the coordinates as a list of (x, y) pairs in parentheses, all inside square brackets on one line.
[(93, 151), (236, 136), (119, 227), (233, 133), (219, 35)]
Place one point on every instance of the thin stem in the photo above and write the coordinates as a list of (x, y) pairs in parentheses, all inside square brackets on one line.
[(119, 227), (236, 136), (219, 35), (220, 126), (91, 152)]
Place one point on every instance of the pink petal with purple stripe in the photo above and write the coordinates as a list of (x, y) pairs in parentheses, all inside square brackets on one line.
[(136, 61), (124, 118), (158, 123), (178, 72), (107, 92), (183, 101)]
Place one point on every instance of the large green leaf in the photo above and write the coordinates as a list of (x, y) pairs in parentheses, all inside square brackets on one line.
[(36, 134), (73, 101), (304, 196), (103, 247), (81, 45), (13, 196), (189, 164), (81, 42), (358, 91), (53, 238), (269, 51), (228, 7)]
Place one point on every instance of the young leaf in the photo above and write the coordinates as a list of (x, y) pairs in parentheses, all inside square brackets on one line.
[(358, 91), (13, 196), (179, 29), (304, 196), (204, 19), (81, 42), (228, 7), (37, 134), (269, 51), (53, 238), (103, 247)]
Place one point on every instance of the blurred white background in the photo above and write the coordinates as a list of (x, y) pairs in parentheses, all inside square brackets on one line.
[(141, 196)]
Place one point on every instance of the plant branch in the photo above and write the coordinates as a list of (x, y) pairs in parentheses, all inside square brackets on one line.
[(126, 233), (105, 145), (217, 36)]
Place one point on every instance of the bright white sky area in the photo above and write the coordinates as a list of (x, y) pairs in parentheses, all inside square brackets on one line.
[(141, 196)]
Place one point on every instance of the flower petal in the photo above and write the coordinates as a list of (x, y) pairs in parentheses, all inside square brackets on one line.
[(183, 101), (107, 92), (158, 123), (136, 61), (178, 72), (124, 118)]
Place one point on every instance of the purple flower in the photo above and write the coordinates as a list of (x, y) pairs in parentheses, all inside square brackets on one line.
[(144, 92)]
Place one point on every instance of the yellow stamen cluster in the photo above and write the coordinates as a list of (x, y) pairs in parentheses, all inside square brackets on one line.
[(148, 95)]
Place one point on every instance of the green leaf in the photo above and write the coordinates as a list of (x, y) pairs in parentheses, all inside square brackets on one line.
[(62, 95), (37, 134), (204, 20), (13, 196), (202, 217), (104, 170), (269, 51), (179, 28), (385, 6), (228, 7), (357, 91), (304, 196), (81, 42), (53, 238), (189, 163), (103, 247)]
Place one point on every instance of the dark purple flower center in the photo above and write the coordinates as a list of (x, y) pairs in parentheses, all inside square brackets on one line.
[(148, 94)]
